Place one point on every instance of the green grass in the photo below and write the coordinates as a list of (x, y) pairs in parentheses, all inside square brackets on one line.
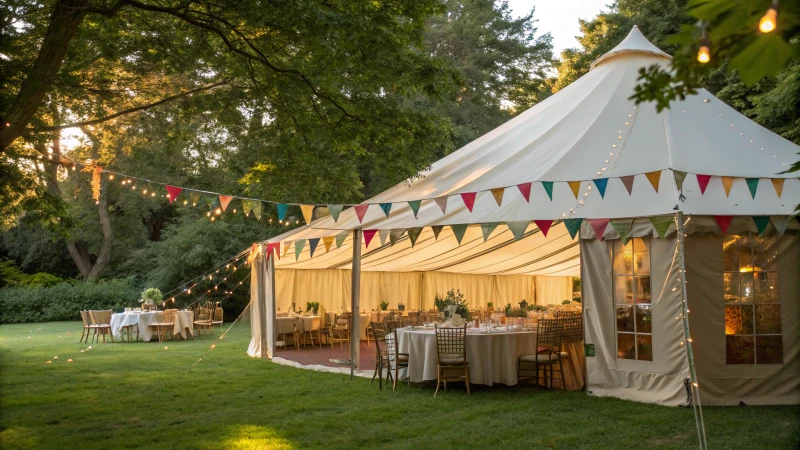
[(133, 395)]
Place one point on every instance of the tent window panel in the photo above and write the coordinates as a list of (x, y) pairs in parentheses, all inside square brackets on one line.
[(632, 298), (752, 311)]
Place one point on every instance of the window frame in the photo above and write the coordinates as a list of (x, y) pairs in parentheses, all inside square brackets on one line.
[(633, 275)]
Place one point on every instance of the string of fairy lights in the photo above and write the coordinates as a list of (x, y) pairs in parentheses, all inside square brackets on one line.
[(767, 24)]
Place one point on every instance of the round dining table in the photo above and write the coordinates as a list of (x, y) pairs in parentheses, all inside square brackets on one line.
[(184, 323), (492, 356)]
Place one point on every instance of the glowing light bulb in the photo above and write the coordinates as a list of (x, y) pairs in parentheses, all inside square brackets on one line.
[(152, 194), (185, 202), (144, 191), (208, 214), (111, 177), (614, 146), (218, 211), (703, 55), (769, 21), (611, 154)]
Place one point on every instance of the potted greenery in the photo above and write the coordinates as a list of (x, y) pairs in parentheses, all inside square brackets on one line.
[(151, 298), (490, 306), (384, 306), (313, 307), (453, 297)]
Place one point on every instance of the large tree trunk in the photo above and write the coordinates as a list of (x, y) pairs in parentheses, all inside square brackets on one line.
[(64, 22)]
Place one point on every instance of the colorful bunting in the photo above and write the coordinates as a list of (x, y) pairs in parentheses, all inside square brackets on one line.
[(702, 181), (518, 228), (727, 182), (414, 206), (752, 184), (286, 246), (573, 226), (525, 190), (576, 187), (247, 206), (194, 197), (368, 235), (298, 248), (780, 224), (679, 177), (335, 210), (274, 247), (599, 227), (212, 201), (442, 202), (662, 224), (340, 238), (173, 192), (282, 208), (327, 241), (469, 199), (383, 235), (257, 209), (548, 187), (308, 212), (623, 228), (487, 229), (312, 245), (361, 211), (497, 193), (436, 230), (544, 225), (413, 235), (723, 222), (654, 178), (777, 183), (386, 207), (628, 183), (224, 201), (761, 223), (458, 231), (395, 235), (601, 184)]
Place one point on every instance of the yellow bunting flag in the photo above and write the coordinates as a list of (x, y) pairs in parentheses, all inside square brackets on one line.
[(654, 178), (308, 211), (777, 183), (576, 187), (498, 195), (328, 241), (727, 182), (286, 246)]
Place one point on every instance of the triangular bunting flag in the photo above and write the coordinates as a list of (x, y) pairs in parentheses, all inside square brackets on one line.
[(312, 245), (459, 231), (497, 193), (395, 235), (361, 211), (341, 237), (727, 182), (327, 241), (777, 183), (525, 190), (413, 234), (679, 177), (628, 183), (544, 225), (573, 226), (487, 229), (194, 197), (780, 224), (436, 230), (247, 206), (724, 222), (368, 235), (212, 201), (308, 212), (761, 223), (518, 228), (274, 247), (173, 192), (548, 187), (576, 188), (442, 202), (257, 209), (282, 208), (752, 184), (298, 248), (386, 207), (224, 201), (599, 227), (469, 199), (286, 246), (601, 184), (384, 235), (415, 206), (654, 178), (622, 227), (702, 181), (335, 210), (662, 224)]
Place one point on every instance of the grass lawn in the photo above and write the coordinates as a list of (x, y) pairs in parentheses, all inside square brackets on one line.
[(132, 395)]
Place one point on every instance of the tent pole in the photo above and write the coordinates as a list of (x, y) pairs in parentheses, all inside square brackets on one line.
[(698, 408), (271, 316), (262, 301), (355, 304)]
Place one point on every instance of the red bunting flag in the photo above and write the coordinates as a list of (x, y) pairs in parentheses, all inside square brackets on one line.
[(599, 227), (361, 211), (173, 192), (525, 190), (469, 199), (703, 180), (368, 235), (543, 225), (224, 200), (724, 222), (274, 247)]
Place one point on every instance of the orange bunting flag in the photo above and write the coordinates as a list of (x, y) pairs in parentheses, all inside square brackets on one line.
[(328, 241), (777, 183), (308, 212), (224, 200), (727, 182), (576, 188), (497, 193), (654, 178)]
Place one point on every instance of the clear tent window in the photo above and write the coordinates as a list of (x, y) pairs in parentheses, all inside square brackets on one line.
[(632, 299)]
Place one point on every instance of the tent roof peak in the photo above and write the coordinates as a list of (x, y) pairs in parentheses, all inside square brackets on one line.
[(635, 42)]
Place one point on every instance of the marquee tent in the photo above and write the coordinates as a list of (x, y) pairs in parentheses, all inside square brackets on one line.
[(528, 200)]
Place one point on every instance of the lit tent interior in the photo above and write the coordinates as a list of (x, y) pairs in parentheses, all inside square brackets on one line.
[(516, 213)]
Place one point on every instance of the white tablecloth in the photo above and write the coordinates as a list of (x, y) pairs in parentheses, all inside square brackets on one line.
[(183, 323), (492, 356), (363, 323)]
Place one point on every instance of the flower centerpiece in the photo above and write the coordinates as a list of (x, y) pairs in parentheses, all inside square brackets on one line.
[(312, 307), (455, 298), (151, 298)]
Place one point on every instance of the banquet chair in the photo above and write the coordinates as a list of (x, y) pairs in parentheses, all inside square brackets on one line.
[(128, 330), (167, 324), (218, 317), (202, 320), (571, 333), (559, 314), (414, 318), (548, 354), (381, 355), (451, 356), (101, 322), (314, 329), (397, 360), (288, 327), (87, 325), (340, 329)]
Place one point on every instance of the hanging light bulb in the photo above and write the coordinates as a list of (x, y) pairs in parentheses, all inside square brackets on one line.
[(218, 211), (185, 202), (704, 54), (770, 19), (111, 177)]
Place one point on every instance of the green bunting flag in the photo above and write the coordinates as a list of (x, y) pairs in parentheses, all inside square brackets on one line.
[(415, 206), (257, 209), (395, 235), (761, 223), (752, 184), (518, 228), (779, 222), (247, 206), (383, 235), (623, 228), (662, 224), (282, 208), (335, 210), (573, 226), (340, 238), (212, 200), (601, 184), (298, 248), (386, 207), (487, 229), (413, 235), (679, 177), (194, 197), (436, 230), (459, 231), (548, 187)]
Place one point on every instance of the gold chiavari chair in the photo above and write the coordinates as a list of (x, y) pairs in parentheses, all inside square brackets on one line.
[(451, 356), (340, 329), (560, 314), (381, 354)]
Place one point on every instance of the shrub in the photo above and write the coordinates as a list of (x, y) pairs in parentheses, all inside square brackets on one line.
[(64, 301), (10, 275)]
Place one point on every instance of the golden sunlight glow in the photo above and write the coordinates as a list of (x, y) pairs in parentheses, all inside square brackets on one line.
[(769, 21)]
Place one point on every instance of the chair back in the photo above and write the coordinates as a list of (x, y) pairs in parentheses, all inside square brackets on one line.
[(218, 314), (558, 314), (100, 317), (451, 342), (572, 329), (379, 333), (342, 321), (391, 348), (202, 314), (169, 315), (548, 335), (287, 325), (85, 318)]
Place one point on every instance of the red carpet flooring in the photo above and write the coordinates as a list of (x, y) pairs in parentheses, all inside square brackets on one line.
[(323, 355)]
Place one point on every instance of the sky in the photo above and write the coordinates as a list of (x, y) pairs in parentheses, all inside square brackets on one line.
[(559, 17)]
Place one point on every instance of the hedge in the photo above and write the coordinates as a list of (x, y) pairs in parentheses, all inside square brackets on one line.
[(64, 301)]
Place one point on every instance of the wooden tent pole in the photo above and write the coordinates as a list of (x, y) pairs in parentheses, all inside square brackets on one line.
[(355, 304)]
